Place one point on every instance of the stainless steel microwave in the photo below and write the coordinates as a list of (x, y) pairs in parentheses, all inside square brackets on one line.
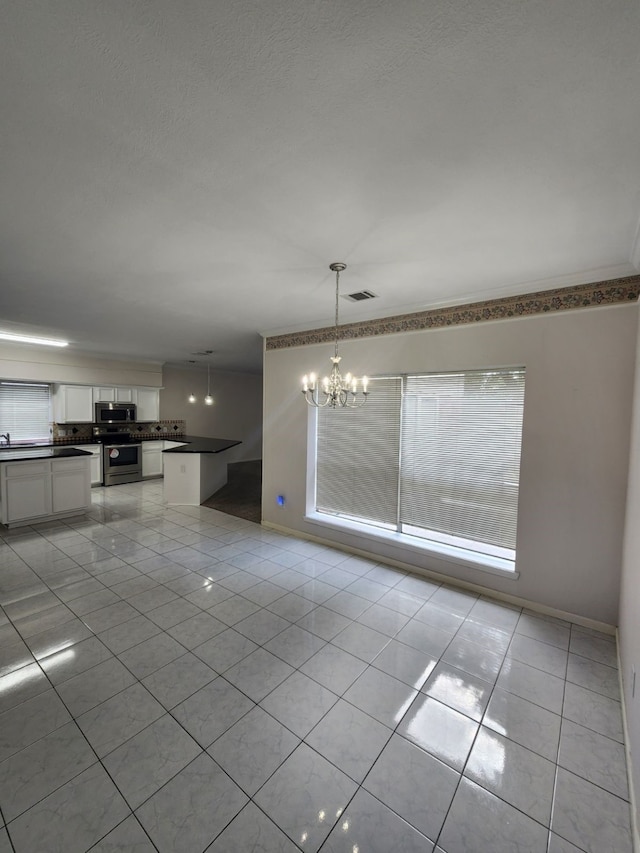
[(115, 413)]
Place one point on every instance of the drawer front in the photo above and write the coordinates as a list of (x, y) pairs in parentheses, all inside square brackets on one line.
[(26, 469), (71, 463)]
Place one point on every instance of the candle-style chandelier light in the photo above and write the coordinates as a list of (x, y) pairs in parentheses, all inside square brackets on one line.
[(334, 390)]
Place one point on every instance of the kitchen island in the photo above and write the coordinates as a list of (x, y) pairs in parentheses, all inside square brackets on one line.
[(42, 483), (195, 470)]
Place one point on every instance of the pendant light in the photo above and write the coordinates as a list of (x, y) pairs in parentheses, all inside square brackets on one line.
[(335, 391), (208, 400)]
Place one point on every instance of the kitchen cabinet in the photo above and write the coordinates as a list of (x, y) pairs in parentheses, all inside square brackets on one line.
[(152, 462), (73, 404), (95, 462), (44, 489), (113, 394), (148, 403), (70, 485)]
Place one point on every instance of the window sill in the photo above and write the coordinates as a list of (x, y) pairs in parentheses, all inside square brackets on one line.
[(469, 559)]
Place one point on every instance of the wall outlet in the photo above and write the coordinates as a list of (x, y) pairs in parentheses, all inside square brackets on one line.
[(183, 469), (280, 500)]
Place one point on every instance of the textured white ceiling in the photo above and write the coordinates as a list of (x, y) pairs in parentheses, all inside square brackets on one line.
[(177, 176)]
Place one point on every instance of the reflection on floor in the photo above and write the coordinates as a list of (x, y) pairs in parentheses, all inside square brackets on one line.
[(183, 680)]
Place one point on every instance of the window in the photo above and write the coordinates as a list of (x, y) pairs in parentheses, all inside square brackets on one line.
[(435, 457), (25, 411)]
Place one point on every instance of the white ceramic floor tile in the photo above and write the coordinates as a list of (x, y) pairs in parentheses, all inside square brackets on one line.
[(440, 730), (252, 749), (479, 822), (149, 759), (515, 774), (299, 703), (594, 711), (459, 690), (589, 817), (523, 722), (192, 809), (405, 663), (367, 824), (225, 650), (128, 836), (305, 797), (73, 818), (258, 674), (413, 784), (383, 697), (252, 830), (212, 710), (350, 739), (36, 771), (334, 668), (594, 757)]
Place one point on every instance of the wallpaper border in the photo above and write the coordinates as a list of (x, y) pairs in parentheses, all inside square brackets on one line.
[(592, 295)]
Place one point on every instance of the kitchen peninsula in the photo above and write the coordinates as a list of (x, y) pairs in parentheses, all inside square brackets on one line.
[(195, 470), (43, 483)]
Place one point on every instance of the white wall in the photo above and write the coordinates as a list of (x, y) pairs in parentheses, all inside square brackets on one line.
[(236, 412), (575, 443), (629, 624), (43, 364)]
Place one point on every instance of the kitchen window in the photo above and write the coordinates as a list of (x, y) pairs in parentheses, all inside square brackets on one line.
[(433, 459), (25, 411)]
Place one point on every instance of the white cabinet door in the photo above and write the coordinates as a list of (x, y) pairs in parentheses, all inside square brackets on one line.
[(148, 400), (95, 462), (112, 394), (73, 404), (27, 497), (104, 394), (70, 488), (152, 458)]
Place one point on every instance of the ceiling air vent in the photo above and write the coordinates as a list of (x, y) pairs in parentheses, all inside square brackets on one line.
[(360, 295)]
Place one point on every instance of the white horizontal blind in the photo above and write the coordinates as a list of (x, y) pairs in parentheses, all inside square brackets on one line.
[(25, 411), (461, 440), (358, 453)]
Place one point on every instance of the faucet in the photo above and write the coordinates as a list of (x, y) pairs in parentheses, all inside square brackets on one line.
[(7, 436)]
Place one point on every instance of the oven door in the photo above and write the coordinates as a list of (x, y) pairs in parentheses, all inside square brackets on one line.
[(122, 463)]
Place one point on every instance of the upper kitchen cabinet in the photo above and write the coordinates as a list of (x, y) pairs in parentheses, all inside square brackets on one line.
[(112, 394), (73, 404), (148, 403)]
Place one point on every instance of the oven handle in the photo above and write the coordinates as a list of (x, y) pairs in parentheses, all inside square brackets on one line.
[(131, 444)]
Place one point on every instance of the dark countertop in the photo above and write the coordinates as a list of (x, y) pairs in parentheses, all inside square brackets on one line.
[(29, 452), (199, 444)]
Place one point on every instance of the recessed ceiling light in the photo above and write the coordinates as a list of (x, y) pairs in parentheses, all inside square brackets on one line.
[(27, 339)]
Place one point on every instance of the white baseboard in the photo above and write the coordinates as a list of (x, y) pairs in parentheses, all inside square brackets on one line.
[(627, 748)]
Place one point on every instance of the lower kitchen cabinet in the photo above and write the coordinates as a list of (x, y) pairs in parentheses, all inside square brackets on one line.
[(152, 458), (96, 461), (44, 489)]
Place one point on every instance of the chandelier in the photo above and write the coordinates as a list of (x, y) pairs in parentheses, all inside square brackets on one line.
[(335, 391)]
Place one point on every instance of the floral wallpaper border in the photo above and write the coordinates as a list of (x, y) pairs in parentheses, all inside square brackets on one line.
[(526, 305)]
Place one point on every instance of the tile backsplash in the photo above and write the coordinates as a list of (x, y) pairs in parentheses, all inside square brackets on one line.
[(81, 433)]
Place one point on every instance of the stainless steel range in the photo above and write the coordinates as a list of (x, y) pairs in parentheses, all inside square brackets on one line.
[(121, 457)]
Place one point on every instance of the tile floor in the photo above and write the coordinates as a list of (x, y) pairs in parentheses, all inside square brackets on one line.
[(177, 679)]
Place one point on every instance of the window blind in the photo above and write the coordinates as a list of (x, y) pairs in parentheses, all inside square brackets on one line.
[(357, 456), (25, 410), (461, 440)]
